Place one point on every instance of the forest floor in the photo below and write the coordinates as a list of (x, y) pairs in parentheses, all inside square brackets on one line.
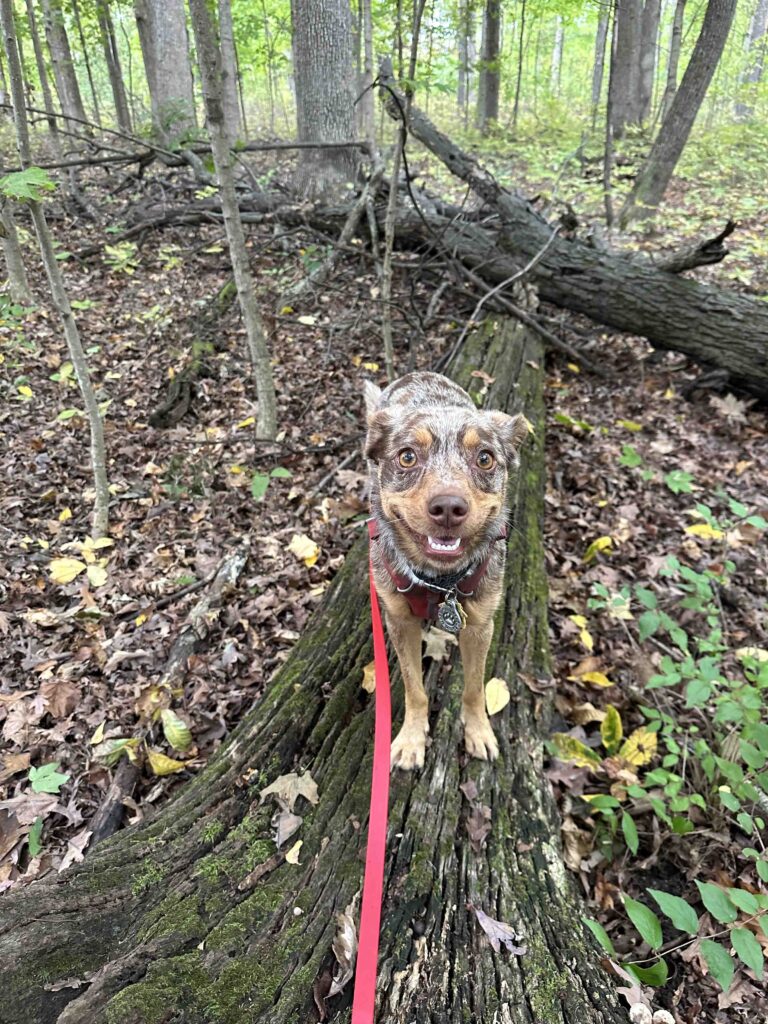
[(629, 461)]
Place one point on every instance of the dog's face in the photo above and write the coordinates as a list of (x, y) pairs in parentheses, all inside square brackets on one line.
[(442, 475)]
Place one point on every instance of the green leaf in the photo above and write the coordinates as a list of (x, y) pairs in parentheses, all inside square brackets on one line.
[(259, 485), (748, 950), (47, 778), (655, 975), (744, 900), (176, 731), (717, 903), (646, 597), (679, 911), (29, 184), (611, 729), (629, 828), (281, 473), (719, 962), (644, 919), (679, 482), (600, 934), (630, 457), (35, 833), (67, 414), (647, 624)]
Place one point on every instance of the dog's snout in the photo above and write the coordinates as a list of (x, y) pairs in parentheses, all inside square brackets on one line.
[(448, 509)]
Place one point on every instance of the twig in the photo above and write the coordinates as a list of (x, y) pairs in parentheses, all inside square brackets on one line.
[(352, 457)]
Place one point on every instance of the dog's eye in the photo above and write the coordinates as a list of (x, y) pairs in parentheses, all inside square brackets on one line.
[(485, 460), (407, 458)]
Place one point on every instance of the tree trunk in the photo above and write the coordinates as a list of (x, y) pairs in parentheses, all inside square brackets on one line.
[(61, 59), (649, 38), (367, 105), (625, 66), (196, 915), (212, 76), (675, 45), (17, 283), (86, 60), (229, 71), (3, 88), (715, 327), (112, 58), (755, 47), (651, 183), (490, 75), (556, 64), (599, 64), (322, 55), (462, 34), (56, 282), (164, 44), (520, 58), (42, 74)]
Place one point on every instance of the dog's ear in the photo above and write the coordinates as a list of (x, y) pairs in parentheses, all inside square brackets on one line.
[(372, 396), (379, 424), (512, 431)]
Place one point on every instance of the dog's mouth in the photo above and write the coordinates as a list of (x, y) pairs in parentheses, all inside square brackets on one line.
[(443, 547)]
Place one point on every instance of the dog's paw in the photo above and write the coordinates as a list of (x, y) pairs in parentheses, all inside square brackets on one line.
[(479, 738), (409, 747)]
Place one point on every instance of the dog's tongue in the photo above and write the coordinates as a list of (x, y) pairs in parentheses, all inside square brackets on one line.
[(444, 546)]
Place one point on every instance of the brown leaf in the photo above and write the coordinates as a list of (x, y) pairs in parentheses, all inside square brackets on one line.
[(11, 765), (288, 788), (577, 843), (344, 949), (437, 643), (285, 825), (498, 933), (320, 990), (61, 696), (469, 789), (478, 826), (76, 848)]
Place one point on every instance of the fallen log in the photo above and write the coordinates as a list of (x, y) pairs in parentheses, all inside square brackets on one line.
[(715, 327), (196, 917)]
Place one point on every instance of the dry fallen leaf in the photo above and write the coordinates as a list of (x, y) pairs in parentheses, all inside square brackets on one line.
[(288, 788), (369, 677), (437, 643), (498, 933), (292, 857), (64, 570), (12, 764), (496, 695), (344, 949), (61, 696), (161, 764), (304, 548), (285, 825)]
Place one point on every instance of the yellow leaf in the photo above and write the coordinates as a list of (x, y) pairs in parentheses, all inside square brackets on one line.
[(758, 653), (176, 730), (496, 695), (308, 321), (369, 677), (570, 749), (574, 368), (140, 619), (356, 360), (64, 570), (669, 393), (97, 573), (25, 390), (65, 514), (639, 747), (98, 734), (286, 310), (304, 548), (292, 857), (578, 620), (611, 729), (705, 531), (247, 422), (373, 367), (598, 545), (629, 425), (236, 469), (584, 635), (596, 679), (161, 764)]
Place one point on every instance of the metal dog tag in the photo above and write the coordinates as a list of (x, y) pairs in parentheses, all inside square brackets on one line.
[(451, 616)]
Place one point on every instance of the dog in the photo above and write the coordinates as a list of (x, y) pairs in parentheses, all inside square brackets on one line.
[(439, 470)]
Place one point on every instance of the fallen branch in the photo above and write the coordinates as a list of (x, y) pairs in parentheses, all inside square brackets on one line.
[(698, 254)]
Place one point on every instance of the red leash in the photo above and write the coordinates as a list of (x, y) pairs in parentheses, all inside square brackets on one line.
[(364, 1000)]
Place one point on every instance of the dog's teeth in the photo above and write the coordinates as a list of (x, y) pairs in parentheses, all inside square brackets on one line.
[(438, 545)]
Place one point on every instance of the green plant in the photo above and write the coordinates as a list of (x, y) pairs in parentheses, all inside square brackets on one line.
[(121, 257), (260, 481)]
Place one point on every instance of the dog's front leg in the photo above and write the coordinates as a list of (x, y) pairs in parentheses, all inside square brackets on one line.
[(474, 641), (409, 745)]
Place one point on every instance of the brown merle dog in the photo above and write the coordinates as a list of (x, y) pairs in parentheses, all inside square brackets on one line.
[(439, 469)]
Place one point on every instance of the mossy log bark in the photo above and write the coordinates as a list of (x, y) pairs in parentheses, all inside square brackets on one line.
[(193, 918)]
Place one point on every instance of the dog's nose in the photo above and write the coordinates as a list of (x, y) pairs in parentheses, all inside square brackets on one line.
[(447, 509)]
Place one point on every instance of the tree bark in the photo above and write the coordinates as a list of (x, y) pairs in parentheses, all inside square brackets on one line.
[(625, 66), (42, 74), (755, 46), (165, 47), (112, 58), (195, 914), (649, 38), (520, 58), (490, 73), (599, 64), (229, 71), (212, 76), (323, 71), (86, 61), (366, 102), (56, 282), (556, 64), (651, 183), (61, 59), (713, 326), (675, 46), (18, 285)]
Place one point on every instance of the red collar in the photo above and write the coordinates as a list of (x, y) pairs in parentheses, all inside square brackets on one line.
[(423, 600)]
